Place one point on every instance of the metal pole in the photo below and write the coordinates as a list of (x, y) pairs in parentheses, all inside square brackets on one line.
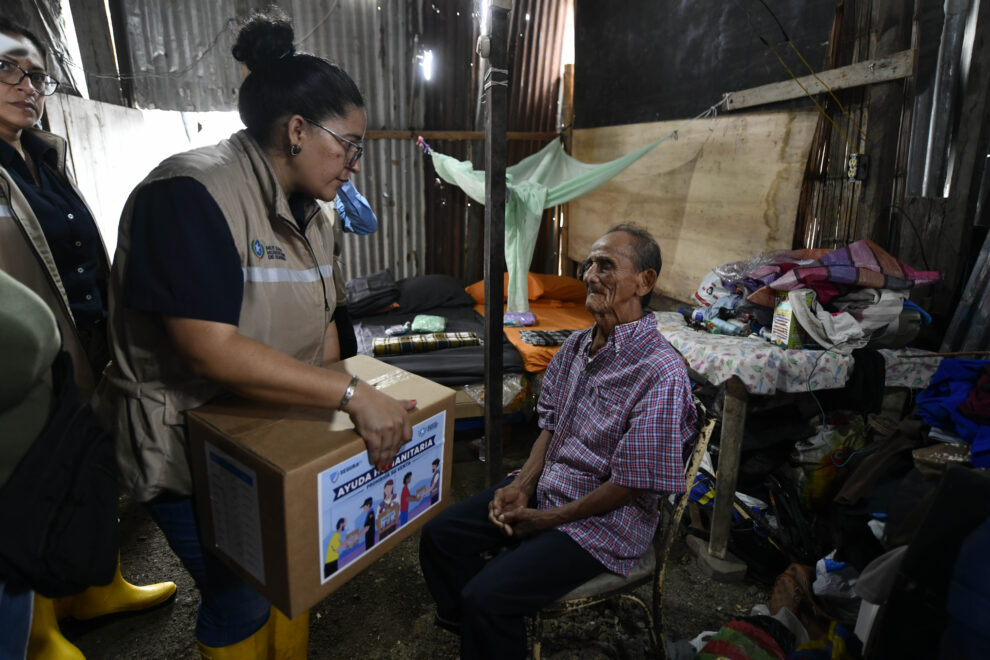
[(493, 47)]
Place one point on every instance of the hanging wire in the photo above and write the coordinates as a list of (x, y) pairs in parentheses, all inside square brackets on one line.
[(787, 39), (67, 61), (794, 47), (321, 22), (842, 108), (833, 451), (229, 25)]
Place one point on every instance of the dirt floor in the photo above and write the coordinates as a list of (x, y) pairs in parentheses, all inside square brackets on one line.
[(386, 612)]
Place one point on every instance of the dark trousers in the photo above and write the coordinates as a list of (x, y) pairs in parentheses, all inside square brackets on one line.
[(230, 610), (490, 598)]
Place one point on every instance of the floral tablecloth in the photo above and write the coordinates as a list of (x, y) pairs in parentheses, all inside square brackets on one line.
[(767, 369)]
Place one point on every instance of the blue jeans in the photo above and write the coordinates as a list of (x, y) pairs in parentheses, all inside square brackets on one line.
[(230, 610), (15, 622)]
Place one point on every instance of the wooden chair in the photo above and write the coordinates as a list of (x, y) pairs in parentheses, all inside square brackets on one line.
[(650, 568)]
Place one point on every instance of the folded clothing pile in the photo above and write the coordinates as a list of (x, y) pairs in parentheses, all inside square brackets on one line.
[(851, 297)]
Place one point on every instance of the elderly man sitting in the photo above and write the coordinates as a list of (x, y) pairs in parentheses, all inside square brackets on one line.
[(615, 411)]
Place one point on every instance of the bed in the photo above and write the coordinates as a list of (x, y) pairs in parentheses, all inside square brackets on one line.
[(437, 295), (556, 301)]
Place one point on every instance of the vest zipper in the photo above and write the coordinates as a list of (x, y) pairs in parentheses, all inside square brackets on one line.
[(312, 253)]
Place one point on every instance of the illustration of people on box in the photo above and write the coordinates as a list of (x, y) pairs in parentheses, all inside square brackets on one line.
[(388, 511), (368, 508), (356, 491), (408, 498), (435, 482), (337, 546), (333, 550)]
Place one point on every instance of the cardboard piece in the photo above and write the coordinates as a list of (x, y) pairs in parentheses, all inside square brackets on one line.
[(785, 330), (281, 492)]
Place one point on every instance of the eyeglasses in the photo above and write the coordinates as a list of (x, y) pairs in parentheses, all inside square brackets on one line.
[(43, 83), (358, 149)]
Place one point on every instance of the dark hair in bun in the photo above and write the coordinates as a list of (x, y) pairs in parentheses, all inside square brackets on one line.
[(283, 82)]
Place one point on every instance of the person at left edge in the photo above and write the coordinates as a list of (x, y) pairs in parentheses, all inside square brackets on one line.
[(49, 242)]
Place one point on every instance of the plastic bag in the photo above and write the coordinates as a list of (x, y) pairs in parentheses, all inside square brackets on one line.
[(710, 289), (834, 579), (428, 323), (515, 391), (735, 270), (818, 458)]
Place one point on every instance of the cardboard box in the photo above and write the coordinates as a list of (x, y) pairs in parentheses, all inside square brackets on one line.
[(785, 330), (465, 407), (280, 491)]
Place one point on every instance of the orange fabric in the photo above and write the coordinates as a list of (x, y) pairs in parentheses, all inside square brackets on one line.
[(560, 287), (477, 290), (550, 315)]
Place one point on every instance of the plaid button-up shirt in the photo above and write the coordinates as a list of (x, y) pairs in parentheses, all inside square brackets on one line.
[(623, 416)]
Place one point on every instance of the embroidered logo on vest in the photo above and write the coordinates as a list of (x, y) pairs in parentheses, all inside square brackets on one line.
[(258, 248)]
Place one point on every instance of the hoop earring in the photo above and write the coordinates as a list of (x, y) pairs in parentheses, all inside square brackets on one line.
[(295, 149)]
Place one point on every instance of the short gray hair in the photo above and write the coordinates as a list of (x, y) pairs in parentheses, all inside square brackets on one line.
[(647, 252)]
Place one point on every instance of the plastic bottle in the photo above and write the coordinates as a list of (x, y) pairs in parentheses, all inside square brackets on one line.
[(742, 326), (725, 328)]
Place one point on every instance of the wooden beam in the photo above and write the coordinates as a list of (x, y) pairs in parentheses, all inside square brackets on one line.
[(888, 111), (567, 122), (729, 455), (496, 150), (899, 65), (412, 134), (93, 32)]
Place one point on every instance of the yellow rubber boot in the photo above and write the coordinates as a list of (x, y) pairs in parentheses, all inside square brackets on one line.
[(118, 596), (255, 647), (290, 637), (46, 641)]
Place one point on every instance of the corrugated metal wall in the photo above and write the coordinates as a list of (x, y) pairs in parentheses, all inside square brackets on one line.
[(455, 225), (179, 58)]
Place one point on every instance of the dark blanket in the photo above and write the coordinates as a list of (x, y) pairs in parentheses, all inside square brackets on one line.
[(448, 366)]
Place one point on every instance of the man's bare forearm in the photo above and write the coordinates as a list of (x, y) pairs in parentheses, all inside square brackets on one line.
[(603, 499), (533, 467)]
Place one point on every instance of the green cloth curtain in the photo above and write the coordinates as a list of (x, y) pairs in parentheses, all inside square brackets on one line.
[(547, 178)]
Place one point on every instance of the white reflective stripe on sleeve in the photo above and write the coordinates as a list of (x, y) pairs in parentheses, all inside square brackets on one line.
[(260, 274)]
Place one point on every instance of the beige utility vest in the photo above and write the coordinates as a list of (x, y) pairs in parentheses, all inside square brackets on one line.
[(26, 256), (289, 298)]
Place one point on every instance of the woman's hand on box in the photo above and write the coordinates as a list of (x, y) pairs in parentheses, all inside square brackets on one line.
[(382, 421)]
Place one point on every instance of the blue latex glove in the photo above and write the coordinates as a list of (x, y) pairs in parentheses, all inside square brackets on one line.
[(355, 211)]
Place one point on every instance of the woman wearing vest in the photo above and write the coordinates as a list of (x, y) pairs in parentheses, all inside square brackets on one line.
[(50, 243), (222, 282)]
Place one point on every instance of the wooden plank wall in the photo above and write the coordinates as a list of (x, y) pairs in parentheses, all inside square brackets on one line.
[(724, 190)]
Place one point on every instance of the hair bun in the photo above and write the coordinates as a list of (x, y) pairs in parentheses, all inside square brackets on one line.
[(265, 38)]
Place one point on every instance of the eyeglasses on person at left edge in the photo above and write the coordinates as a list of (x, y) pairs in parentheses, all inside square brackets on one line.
[(11, 74)]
